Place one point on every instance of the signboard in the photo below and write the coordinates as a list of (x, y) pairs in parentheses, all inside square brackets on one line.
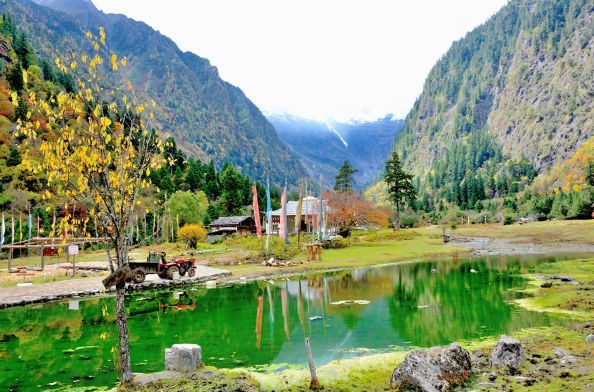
[(72, 249)]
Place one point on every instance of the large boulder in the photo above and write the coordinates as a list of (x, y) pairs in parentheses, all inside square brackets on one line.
[(183, 357), (433, 370), (508, 352)]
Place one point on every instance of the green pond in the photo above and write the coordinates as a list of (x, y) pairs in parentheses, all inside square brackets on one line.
[(262, 324)]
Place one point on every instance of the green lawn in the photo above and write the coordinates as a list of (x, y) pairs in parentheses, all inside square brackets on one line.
[(359, 254)]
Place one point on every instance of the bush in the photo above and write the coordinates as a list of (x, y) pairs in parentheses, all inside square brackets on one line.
[(380, 236), (509, 216), (409, 220), (278, 249), (192, 234), (581, 206), (337, 242)]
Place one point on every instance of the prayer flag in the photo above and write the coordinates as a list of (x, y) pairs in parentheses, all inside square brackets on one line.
[(268, 216), (298, 210), (282, 229), (2, 231), (256, 211)]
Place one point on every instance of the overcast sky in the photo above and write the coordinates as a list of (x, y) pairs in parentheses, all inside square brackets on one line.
[(323, 59)]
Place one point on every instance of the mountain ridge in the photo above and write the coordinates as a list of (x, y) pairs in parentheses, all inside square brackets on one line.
[(210, 118), (508, 101), (324, 145)]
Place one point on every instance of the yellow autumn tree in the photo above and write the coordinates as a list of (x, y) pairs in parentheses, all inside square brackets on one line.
[(97, 147)]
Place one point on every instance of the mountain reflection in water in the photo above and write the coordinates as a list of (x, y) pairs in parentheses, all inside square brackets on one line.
[(345, 313)]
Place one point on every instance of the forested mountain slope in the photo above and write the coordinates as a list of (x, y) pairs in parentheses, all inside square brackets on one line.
[(508, 101), (210, 118), (324, 146)]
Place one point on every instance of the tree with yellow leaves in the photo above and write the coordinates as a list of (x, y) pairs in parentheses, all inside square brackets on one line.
[(97, 148)]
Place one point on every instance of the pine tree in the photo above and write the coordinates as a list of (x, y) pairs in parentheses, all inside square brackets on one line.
[(400, 187), (344, 178), (211, 186), (590, 172)]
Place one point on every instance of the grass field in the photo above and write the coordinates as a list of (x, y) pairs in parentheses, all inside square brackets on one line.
[(359, 254), (578, 231)]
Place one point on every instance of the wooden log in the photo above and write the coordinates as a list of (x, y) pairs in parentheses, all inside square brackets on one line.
[(119, 275), (314, 384)]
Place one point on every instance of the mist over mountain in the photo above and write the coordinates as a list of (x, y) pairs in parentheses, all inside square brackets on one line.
[(324, 146), (209, 118)]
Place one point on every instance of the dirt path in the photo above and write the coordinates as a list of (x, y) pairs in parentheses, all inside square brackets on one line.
[(44, 292), (486, 246)]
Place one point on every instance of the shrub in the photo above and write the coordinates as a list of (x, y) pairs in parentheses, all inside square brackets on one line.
[(409, 220), (581, 206), (192, 234), (379, 236), (278, 249), (336, 243), (509, 216)]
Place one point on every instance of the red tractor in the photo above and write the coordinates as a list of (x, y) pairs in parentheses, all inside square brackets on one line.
[(156, 264)]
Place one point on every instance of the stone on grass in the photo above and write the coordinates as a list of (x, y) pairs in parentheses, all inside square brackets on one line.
[(590, 338), (508, 352), (183, 357), (433, 370), (560, 352)]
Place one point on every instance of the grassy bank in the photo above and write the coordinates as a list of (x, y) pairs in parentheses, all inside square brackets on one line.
[(575, 300), (408, 246), (571, 231)]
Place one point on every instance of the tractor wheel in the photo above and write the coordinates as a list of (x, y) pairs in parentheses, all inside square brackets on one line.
[(171, 271), (138, 275), (192, 272), (182, 271)]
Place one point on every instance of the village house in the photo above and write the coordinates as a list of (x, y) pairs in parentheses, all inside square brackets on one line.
[(310, 208), (226, 225)]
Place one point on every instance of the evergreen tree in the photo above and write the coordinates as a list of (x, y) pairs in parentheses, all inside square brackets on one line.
[(14, 157), (400, 187), (194, 177), (211, 185), (232, 189), (559, 207), (344, 179), (15, 76), (590, 172)]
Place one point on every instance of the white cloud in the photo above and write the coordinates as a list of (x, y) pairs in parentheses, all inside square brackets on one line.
[(323, 59)]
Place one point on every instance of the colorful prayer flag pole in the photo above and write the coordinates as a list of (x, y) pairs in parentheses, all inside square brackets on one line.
[(256, 208), (268, 216), (30, 224), (321, 208), (282, 232), (298, 213), (2, 231)]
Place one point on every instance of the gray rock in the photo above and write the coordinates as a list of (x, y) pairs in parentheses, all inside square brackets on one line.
[(141, 379), (560, 352), (508, 352), (484, 385), (183, 357), (568, 360), (590, 338), (433, 370)]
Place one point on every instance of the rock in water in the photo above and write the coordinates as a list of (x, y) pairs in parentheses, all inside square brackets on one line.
[(433, 370), (508, 352), (183, 357)]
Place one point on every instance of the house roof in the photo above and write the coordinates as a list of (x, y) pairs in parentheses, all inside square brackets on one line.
[(310, 206), (229, 220)]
